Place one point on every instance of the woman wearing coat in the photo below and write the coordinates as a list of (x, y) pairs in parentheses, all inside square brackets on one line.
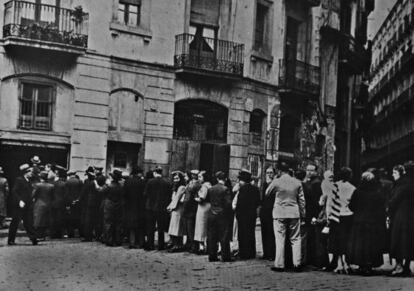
[(42, 196), (200, 233), (401, 208), (176, 208), (366, 243)]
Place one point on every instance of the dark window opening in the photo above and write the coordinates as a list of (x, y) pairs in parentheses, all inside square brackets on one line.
[(289, 133), (260, 27), (200, 120), (256, 121), (129, 12), (120, 159), (35, 106)]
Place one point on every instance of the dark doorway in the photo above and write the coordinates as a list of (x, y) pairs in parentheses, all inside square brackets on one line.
[(12, 156), (214, 157)]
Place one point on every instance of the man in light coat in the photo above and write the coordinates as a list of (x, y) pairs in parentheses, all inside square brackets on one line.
[(288, 212)]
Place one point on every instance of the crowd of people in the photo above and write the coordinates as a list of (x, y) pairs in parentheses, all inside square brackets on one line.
[(305, 220)]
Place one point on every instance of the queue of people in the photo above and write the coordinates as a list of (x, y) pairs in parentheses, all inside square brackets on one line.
[(305, 221)]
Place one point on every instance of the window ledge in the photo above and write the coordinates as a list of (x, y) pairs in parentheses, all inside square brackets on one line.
[(260, 55), (144, 32)]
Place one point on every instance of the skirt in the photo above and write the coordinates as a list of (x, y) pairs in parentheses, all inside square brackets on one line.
[(176, 223), (339, 235), (200, 233)]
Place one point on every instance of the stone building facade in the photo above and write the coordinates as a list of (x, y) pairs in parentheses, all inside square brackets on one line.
[(215, 85), (389, 140)]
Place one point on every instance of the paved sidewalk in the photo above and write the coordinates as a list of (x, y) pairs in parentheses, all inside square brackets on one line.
[(71, 265)]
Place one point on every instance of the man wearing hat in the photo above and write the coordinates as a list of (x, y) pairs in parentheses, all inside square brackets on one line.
[(219, 217), (190, 211), (88, 210), (157, 197), (22, 205), (58, 203), (135, 208), (72, 205), (112, 210), (4, 193), (35, 165), (246, 213)]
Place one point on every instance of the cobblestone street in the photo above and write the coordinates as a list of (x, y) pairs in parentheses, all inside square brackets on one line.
[(71, 265)]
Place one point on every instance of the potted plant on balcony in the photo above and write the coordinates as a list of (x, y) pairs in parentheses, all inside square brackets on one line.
[(77, 14)]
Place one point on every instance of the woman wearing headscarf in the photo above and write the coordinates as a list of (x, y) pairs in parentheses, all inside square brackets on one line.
[(176, 208), (246, 212), (401, 208), (200, 233), (368, 229)]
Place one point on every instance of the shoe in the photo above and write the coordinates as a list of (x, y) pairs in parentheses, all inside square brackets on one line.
[(132, 247), (86, 240), (227, 260), (297, 269), (276, 269), (213, 259), (34, 242), (11, 243), (149, 248)]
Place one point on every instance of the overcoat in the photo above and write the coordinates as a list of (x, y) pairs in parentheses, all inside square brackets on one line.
[(368, 232), (401, 207), (200, 233), (176, 224), (134, 202), (42, 195), (4, 193)]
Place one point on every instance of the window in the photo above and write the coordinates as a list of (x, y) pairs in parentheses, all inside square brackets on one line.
[(35, 106), (260, 25), (129, 12), (256, 121)]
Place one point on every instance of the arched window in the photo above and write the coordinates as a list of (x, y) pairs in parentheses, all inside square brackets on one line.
[(200, 120), (256, 121)]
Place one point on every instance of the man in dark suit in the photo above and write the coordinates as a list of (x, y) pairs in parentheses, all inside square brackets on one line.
[(23, 206), (218, 226), (73, 207), (58, 204), (157, 196)]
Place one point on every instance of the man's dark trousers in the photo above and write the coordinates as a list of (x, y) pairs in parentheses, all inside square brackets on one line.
[(218, 231), (26, 214)]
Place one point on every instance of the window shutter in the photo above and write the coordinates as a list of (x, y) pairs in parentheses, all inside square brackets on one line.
[(205, 12), (131, 2)]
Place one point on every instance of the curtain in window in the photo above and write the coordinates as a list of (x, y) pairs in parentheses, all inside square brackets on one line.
[(205, 12)]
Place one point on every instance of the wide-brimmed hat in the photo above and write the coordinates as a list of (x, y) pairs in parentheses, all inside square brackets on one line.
[(158, 170), (116, 174), (245, 175), (71, 173), (44, 175), (195, 172), (24, 168), (35, 160), (90, 171)]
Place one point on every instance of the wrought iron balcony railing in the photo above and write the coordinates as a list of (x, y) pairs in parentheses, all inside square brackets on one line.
[(299, 76), (46, 23), (208, 54)]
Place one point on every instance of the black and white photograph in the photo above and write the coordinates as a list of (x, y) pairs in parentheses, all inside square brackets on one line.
[(206, 145)]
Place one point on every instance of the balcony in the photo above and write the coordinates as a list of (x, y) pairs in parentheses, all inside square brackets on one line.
[(354, 55), (208, 56), (299, 77), (45, 27)]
